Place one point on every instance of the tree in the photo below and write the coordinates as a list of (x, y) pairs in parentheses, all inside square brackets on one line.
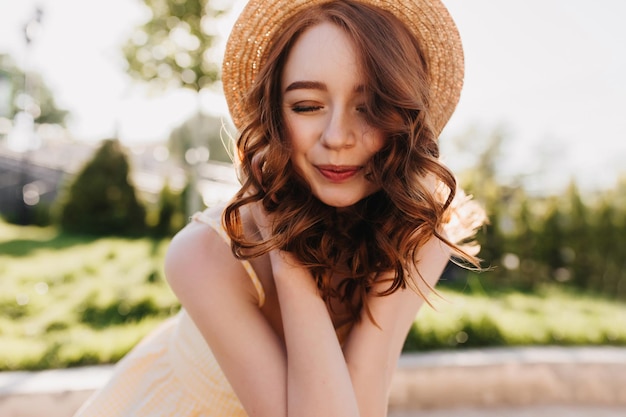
[(171, 217), (551, 241), (100, 200), (579, 231), (201, 132), (173, 48), (42, 106), (481, 179), (196, 141)]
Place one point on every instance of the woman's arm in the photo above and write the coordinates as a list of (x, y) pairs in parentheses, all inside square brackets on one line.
[(318, 381), (218, 295), (372, 352), (308, 376)]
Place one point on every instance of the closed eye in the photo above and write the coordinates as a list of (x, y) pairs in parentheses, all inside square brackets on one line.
[(304, 108)]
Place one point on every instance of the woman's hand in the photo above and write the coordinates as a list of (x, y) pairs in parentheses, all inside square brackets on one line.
[(284, 264), (263, 221), (318, 381)]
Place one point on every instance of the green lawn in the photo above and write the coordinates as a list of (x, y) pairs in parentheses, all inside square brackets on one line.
[(72, 300), (550, 316)]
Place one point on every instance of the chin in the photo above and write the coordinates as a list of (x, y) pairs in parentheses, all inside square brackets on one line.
[(339, 201), (340, 204)]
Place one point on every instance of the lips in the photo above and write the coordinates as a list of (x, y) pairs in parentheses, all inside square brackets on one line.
[(338, 173)]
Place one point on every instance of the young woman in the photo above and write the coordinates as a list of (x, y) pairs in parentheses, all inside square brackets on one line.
[(298, 294)]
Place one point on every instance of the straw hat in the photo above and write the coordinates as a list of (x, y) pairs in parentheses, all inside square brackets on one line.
[(429, 20)]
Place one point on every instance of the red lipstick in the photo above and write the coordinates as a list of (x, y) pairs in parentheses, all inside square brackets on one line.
[(338, 173)]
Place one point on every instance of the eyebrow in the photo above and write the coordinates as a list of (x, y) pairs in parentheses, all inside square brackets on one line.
[(306, 85), (316, 85)]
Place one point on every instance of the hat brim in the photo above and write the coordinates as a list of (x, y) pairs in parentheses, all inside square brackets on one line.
[(429, 20)]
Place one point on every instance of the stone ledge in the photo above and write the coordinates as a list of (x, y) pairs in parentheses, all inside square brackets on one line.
[(482, 378), (42, 404), (511, 377)]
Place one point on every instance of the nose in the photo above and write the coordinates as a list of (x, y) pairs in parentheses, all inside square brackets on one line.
[(340, 131)]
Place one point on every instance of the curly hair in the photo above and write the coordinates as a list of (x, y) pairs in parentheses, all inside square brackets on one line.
[(382, 233)]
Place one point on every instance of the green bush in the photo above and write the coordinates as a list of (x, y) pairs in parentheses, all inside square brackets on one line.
[(171, 214), (100, 200), (97, 314), (466, 332)]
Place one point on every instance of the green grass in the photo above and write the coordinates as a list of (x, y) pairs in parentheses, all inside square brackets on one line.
[(75, 300), (551, 315)]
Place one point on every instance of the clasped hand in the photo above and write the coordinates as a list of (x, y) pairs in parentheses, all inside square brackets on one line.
[(284, 264)]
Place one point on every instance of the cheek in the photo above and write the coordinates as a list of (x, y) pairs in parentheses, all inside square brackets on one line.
[(374, 141), (297, 145), (301, 137), (292, 139)]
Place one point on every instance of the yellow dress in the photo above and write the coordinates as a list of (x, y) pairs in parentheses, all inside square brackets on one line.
[(172, 372)]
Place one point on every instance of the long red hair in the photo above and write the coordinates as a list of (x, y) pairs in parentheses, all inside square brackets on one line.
[(383, 232)]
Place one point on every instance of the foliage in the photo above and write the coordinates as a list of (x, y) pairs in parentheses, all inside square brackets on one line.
[(475, 316), (201, 133), (173, 48), (199, 139), (100, 199), (72, 300), (42, 107), (534, 240), (171, 212), (564, 239)]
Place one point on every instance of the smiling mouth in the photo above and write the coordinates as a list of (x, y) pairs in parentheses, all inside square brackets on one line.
[(338, 173)]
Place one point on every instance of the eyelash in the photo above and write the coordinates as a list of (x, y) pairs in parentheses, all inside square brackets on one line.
[(307, 109), (304, 109)]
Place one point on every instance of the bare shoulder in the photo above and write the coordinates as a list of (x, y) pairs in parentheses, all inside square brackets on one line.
[(199, 265), (432, 259)]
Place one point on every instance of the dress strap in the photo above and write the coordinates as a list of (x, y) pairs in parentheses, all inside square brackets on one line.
[(215, 224)]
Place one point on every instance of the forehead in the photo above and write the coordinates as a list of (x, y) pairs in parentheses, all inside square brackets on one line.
[(322, 51)]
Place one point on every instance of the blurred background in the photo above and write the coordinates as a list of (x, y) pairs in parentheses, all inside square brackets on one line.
[(113, 130)]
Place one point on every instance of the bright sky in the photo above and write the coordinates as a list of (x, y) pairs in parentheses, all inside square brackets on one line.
[(549, 71)]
